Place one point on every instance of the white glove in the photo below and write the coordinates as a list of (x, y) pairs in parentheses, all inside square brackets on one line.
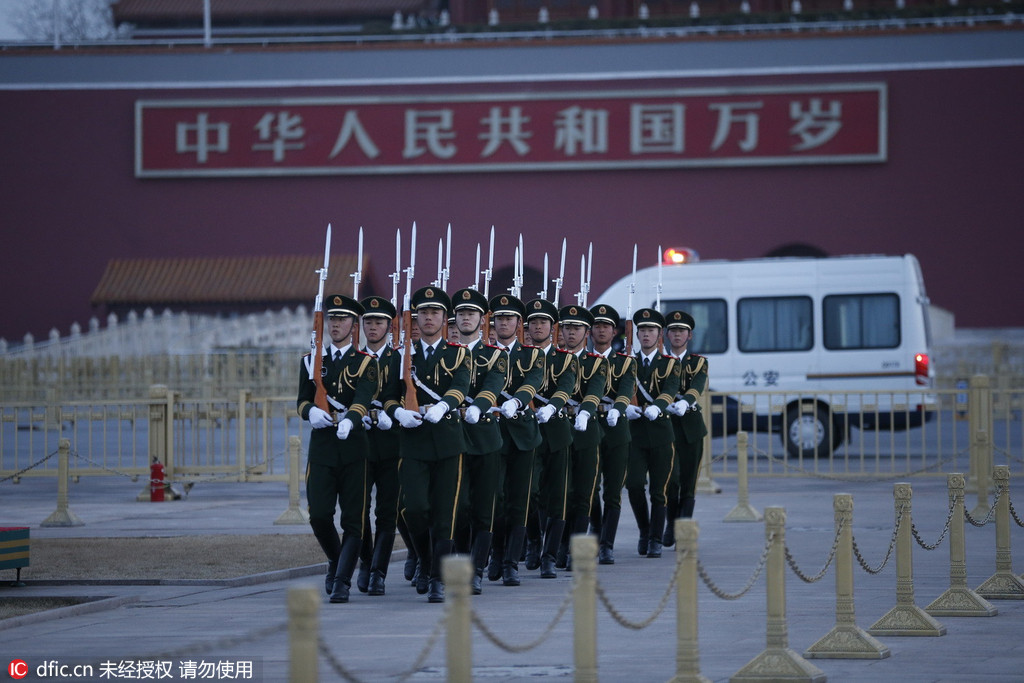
[(582, 418), (612, 416), (319, 419), (633, 412), (436, 412), (544, 413), (472, 415), (344, 427), (407, 418), (652, 412), (509, 408), (367, 422), (679, 407), (383, 421)]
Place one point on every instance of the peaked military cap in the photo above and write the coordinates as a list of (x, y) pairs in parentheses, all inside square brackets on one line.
[(575, 314), (679, 319), (431, 297), (339, 305), (541, 308), (603, 313), (506, 304), (469, 298), (648, 316), (378, 307)]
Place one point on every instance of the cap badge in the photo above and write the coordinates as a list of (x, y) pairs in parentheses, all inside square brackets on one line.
[(374, 303), (466, 295), (647, 314), (337, 301), (537, 305), (572, 310), (504, 301), (429, 294)]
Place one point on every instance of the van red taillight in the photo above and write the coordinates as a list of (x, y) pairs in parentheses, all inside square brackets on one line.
[(921, 369)]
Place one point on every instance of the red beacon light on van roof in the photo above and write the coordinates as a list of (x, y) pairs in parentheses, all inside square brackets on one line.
[(676, 256)]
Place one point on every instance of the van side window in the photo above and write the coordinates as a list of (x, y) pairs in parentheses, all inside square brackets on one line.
[(712, 333), (783, 323), (862, 321)]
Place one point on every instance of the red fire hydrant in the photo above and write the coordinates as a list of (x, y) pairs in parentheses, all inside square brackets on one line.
[(156, 482)]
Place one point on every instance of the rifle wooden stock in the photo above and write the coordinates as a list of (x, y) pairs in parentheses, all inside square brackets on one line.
[(410, 387), (320, 399)]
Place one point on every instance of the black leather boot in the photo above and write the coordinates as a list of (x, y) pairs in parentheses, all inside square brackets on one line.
[(534, 539), (609, 525), (638, 501), (481, 546), (552, 539), (423, 552), (379, 563), (562, 556), (510, 569), (498, 542), (435, 586), (410, 551), (365, 558), (350, 548), (657, 529), (327, 536), (595, 514), (673, 509), (688, 505)]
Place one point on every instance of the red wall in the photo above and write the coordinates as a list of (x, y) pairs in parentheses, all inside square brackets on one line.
[(950, 193)]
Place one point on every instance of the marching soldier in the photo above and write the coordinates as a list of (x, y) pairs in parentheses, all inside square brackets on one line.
[(520, 437), (651, 430), (382, 462), (592, 384), (336, 465), (687, 421), (556, 430), (615, 444), (431, 443), (482, 467)]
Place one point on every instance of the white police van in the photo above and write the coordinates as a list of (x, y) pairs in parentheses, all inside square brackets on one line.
[(804, 347)]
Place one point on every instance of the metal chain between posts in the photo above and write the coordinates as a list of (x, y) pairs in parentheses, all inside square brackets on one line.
[(868, 480), (1014, 513), (640, 625), (34, 465), (188, 483), (828, 561), (750, 584), (404, 676), (888, 553), (989, 516), (516, 649), (945, 530)]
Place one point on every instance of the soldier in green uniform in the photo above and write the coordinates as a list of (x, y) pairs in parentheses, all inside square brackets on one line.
[(651, 450), (615, 444), (382, 463), (520, 435), (556, 430), (482, 466), (592, 384), (431, 443), (338, 446), (687, 420)]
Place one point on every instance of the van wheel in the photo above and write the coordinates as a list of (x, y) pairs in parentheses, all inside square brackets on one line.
[(809, 431)]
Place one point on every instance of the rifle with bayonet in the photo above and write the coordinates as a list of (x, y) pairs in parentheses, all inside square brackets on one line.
[(517, 282), (487, 283), (396, 279), (630, 289), (317, 341), (410, 387), (357, 277), (558, 290)]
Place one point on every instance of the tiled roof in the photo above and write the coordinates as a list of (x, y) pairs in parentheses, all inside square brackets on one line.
[(238, 279), (164, 10)]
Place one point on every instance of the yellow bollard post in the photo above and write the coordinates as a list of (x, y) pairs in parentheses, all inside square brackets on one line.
[(958, 600), (979, 416), (457, 572), (705, 484), (778, 662), (744, 511), (584, 609), (906, 618), (62, 516), (846, 640), (303, 634), (1004, 584), (294, 514), (688, 646), (243, 399)]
